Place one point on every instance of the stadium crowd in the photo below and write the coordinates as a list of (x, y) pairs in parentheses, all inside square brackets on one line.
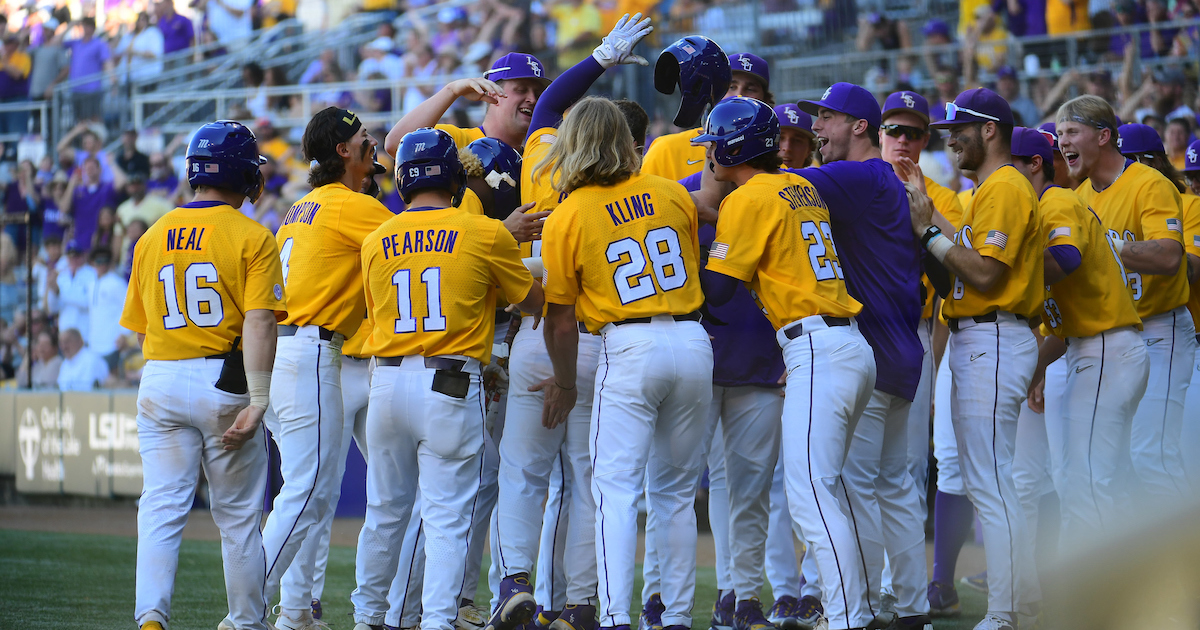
[(90, 205)]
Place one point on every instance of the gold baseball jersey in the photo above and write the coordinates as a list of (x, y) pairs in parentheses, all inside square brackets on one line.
[(624, 251), (196, 272), (353, 346), (1095, 297), (319, 245), (431, 278), (773, 234), (1143, 205), (538, 190), (1002, 223), (946, 202), (964, 201), (462, 137), (672, 156), (1191, 243)]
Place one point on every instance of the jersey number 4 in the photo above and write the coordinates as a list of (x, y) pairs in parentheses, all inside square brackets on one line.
[(407, 322), (666, 259), (202, 302)]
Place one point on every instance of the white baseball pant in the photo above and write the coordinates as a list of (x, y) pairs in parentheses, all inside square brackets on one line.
[(884, 507), (1037, 452), (831, 374), (314, 551), (1158, 423), (417, 433), (654, 385), (306, 421), (1191, 426), (945, 445), (992, 365), (550, 589), (782, 569), (181, 418), (528, 452)]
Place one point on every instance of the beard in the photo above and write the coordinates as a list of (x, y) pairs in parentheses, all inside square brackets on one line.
[(971, 156)]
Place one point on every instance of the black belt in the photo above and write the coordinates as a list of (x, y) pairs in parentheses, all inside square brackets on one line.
[(433, 363), (694, 316), (289, 330), (798, 329), (583, 329), (359, 359), (1197, 337), (980, 319), (502, 316)]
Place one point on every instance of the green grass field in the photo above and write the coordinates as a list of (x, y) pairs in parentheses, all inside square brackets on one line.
[(86, 582)]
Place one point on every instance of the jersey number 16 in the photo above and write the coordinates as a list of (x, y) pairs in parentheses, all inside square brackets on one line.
[(202, 301)]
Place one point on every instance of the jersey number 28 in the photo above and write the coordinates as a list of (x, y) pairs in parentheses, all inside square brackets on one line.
[(201, 301), (666, 259)]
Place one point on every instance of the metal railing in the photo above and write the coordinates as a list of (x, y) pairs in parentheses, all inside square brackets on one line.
[(41, 108), (809, 76)]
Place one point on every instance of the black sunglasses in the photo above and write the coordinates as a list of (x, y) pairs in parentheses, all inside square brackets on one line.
[(913, 133)]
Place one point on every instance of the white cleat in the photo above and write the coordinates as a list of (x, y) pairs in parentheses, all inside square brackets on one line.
[(304, 621), (471, 617)]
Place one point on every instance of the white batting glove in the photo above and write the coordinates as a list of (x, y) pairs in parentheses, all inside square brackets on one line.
[(617, 47)]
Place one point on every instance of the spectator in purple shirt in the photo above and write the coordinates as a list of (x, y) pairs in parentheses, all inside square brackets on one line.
[(162, 179), (88, 196), (176, 30), (89, 56)]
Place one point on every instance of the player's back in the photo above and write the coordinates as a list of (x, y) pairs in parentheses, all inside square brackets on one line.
[(672, 156), (431, 277), (196, 272), (319, 244), (632, 246)]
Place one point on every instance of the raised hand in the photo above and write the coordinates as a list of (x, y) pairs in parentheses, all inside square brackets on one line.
[(617, 47)]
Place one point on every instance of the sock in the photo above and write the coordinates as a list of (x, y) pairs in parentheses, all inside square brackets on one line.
[(953, 518)]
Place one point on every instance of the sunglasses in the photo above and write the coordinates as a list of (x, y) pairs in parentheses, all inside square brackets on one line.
[(953, 110), (913, 133)]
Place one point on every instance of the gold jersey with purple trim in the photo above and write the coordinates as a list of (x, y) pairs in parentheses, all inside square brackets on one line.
[(672, 156), (946, 202), (1191, 245)]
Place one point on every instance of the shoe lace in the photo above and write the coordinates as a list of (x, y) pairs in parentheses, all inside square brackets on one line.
[(807, 607)]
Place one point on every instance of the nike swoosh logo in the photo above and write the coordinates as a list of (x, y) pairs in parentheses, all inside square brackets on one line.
[(1151, 342), (1081, 369), (691, 162), (976, 356)]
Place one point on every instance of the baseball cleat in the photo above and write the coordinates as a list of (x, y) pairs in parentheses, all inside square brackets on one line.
[(470, 616), (651, 618), (916, 622), (883, 621), (783, 613), (517, 605), (545, 617), (977, 582), (363, 626), (887, 602), (225, 624), (994, 622), (576, 617), (749, 616), (304, 622), (810, 613), (316, 608), (943, 600), (722, 613), (151, 625)]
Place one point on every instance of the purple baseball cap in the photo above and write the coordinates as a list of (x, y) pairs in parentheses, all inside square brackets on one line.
[(1138, 138), (936, 27), (1006, 72), (751, 64), (1191, 159), (906, 101), (1049, 130), (1030, 142), (979, 105), (790, 116), (518, 66), (849, 99)]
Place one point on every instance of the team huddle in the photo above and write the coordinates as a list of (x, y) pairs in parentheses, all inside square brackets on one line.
[(557, 327)]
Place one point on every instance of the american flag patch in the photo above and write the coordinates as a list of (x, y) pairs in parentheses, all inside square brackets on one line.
[(688, 49), (433, 170), (211, 168), (997, 238), (1059, 233), (718, 251), (1174, 226)]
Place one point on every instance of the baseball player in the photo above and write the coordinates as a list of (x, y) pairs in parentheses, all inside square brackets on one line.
[(529, 447), (991, 259), (772, 235), (882, 268), (1094, 322), (204, 277), (797, 143), (630, 274), (317, 244), (431, 275), (1142, 211), (1191, 239)]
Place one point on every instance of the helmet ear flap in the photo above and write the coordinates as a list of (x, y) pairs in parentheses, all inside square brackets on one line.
[(255, 190)]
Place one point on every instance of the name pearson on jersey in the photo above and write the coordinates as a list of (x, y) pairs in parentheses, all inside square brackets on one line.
[(302, 212), (630, 208), (187, 238), (420, 242)]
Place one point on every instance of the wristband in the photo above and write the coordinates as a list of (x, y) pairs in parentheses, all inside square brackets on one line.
[(258, 385), (939, 246), (565, 389), (931, 232), (1118, 245)]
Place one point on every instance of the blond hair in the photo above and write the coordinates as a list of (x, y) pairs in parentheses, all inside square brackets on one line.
[(594, 147), (472, 165), (1091, 111)]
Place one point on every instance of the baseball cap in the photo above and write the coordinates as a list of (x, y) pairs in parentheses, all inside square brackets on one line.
[(74, 248), (1191, 159), (1006, 72), (977, 105), (1030, 142), (906, 101), (849, 99), (1049, 130), (790, 116), (751, 64), (936, 27), (517, 66), (1138, 138)]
